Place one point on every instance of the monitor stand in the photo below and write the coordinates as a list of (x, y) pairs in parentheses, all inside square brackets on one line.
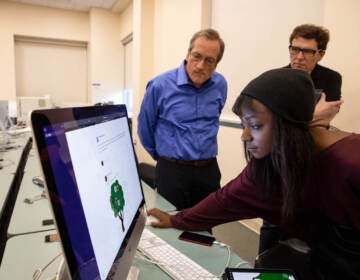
[(64, 275)]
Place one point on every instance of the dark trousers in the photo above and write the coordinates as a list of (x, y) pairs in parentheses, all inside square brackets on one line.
[(334, 255), (184, 185), (269, 236)]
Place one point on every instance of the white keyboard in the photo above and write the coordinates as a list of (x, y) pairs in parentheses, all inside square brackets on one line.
[(169, 259)]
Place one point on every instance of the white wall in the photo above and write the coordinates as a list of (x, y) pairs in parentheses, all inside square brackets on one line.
[(343, 20), (173, 30), (101, 29), (65, 65), (126, 21), (26, 20), (106, 53)]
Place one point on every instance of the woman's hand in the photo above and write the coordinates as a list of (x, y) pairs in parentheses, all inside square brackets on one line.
[(162, 217)]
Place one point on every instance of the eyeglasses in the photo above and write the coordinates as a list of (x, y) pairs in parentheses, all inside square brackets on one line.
[(209, 61), (308, 53)]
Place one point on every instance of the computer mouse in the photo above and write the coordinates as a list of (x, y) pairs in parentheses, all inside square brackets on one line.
[(150, 219), (38, 181)]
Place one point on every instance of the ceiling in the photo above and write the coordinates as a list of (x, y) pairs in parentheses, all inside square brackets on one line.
[(79, 5)]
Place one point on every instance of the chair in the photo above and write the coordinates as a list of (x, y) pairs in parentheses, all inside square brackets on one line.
[(147, 173)]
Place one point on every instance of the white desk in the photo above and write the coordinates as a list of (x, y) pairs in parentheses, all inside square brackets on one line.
[(26, 217), (36, 212), (25, 253), (10, 159)]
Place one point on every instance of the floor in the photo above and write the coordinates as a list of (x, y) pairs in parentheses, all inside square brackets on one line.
[(243, 240)]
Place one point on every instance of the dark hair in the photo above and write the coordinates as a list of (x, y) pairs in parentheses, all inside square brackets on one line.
[(210, 34), (282, 171), (311, 31)]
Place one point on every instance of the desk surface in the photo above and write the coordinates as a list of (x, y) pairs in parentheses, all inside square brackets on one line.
[(9, 161), (36, 212), (25, 253)]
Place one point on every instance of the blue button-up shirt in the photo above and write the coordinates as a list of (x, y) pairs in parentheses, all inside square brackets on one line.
[(178, 120)]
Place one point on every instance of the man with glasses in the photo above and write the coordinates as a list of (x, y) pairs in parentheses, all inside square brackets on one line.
[(307, 47), (179, 121)]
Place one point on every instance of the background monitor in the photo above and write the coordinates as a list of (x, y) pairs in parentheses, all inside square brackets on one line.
[(26, 104)]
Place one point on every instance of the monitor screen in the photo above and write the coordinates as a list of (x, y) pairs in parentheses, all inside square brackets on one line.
[(90, 169), (258, 274)]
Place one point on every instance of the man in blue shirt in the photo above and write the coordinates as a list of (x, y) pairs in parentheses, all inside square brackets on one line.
[(179, 121)]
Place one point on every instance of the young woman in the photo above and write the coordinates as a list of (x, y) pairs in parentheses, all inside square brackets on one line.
[(302, 177)]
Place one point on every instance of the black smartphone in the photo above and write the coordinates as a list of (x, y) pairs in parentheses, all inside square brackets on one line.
[(258, 274), (197, 238), (318, 92)]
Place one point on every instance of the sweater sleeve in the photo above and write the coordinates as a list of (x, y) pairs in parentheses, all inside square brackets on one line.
[(239, 199)]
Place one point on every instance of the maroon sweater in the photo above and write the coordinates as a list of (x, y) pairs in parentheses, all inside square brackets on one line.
[(332, 192)]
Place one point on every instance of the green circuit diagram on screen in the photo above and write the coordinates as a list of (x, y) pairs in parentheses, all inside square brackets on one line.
[(272, 276), (117, 201)]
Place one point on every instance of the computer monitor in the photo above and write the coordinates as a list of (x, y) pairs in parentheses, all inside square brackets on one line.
[(4, 113), (90, 169), (26, 104)]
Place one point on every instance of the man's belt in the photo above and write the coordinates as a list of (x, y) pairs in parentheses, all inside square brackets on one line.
[(195, 163)]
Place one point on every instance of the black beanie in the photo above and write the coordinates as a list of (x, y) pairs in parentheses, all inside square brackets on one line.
[(289, 93)]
